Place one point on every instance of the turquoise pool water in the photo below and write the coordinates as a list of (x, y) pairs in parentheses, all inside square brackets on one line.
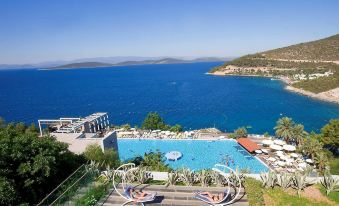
[(197, 154)]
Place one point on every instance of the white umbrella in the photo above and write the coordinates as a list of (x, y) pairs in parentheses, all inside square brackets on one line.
[(281, 163), (283, 157), (279, 152), (289, 160), (272, 159), (264, 151), (222, 137), (302, 165), (258, 151), (288, 147), (309, 160), (279, 142), (275, 147), (295, 155), (267, 142)]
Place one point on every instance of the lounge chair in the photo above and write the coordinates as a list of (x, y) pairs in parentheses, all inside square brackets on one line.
[(148, 198), (207, 200)]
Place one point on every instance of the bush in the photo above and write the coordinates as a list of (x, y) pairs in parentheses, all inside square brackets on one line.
[(107, 158), (254, 192)]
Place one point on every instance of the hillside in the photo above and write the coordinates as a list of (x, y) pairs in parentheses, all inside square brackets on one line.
[(81, 65), (322, 50), (311, 66)]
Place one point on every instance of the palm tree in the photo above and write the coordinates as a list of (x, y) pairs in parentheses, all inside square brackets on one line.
[(299, 134), (284, 129), (312, 147), (321, 161)]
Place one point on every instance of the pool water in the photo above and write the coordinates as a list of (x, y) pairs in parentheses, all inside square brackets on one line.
[(197, 154)]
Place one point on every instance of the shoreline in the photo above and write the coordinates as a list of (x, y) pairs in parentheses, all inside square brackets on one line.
[(323, 96)]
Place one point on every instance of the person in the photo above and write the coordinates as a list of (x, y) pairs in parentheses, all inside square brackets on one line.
[(213, 198), (137, 194)]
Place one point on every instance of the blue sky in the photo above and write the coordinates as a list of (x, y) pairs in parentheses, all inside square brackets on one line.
[(46, 30)]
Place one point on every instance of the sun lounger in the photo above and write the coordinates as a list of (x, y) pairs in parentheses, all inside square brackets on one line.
[(148, 198), (204, 198)]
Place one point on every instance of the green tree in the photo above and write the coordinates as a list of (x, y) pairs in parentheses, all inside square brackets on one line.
[(311, 147), (32, 165), (152, 160), (176, 128), (330, 134), (153, 121), (284, 128), (108, 157), (240, 132), (7, 192), (299, 134)]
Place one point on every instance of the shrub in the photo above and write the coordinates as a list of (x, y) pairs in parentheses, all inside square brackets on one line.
[(254, 192)]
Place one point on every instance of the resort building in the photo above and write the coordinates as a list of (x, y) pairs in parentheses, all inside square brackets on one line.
[(81, 132)]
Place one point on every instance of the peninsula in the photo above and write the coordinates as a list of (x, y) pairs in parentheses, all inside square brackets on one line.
[(310, 68)]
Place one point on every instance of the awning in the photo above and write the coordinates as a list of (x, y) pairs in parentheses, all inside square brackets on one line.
[(248, 144)]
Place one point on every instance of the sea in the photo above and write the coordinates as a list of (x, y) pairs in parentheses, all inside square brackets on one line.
[(181, 93)]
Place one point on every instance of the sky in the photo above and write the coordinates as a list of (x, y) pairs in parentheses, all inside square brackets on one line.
[(33, 31)]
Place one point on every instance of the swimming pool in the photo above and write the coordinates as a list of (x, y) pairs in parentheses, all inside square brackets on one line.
[(197, 154)]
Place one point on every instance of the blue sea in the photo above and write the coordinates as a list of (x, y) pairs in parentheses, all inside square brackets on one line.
[(181, 93)]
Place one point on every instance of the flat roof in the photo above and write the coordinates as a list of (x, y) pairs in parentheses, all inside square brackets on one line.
[(248, 144)]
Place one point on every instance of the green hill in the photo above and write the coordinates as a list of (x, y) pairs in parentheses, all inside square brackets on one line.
[(324, 50), (307, 59)]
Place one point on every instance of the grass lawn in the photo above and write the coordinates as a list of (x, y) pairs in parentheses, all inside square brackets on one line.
[(334, 166), (279, 197), (332, 196), (254, 192)]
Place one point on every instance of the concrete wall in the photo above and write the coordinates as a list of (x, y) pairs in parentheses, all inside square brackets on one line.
[(110, 141)]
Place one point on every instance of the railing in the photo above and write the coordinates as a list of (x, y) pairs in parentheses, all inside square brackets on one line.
[(71, 189)]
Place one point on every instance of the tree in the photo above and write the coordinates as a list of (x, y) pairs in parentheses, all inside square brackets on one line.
[(321, 161), (7, 192), (240, 132), (311, 147), (153, 121), (33, 166), (154, 161), (299, 134), (176, 128), (330, 134), (284, 128), (109, 157)]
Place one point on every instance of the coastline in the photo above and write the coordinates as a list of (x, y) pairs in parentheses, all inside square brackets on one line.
[(323, 96)]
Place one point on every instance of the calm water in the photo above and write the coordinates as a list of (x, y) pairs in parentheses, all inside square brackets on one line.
[(181, 93), (196, 154)]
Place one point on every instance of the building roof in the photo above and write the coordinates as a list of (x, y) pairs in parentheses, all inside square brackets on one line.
[(248, 144)]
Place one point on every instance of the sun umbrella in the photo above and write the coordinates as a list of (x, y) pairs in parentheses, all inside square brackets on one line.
[(279, 142), (272, 159), (267, 142), (295, 155), (258, 151), (288, 147), (281, 163), (309, 160), (283, 157), (264, 151), (302, 165), (275, 147)]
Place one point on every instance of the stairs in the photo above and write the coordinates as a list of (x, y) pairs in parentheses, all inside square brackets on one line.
[(173, 196)]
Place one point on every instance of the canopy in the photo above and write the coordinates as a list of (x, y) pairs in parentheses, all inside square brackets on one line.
[(275, 147), (264, 150), (295, 155), (281, 163), (267, 142), (272, 159), (288, 147), (248, 144), (258, 151), (279, 142)]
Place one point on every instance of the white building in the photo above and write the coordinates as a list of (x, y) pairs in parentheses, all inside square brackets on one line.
[(78, 133)]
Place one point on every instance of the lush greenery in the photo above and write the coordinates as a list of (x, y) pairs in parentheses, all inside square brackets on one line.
[(320, 84), (290, 131), (109, 157), (92, 196), (153, 161), (31, 166), (153, 121), (330, 134), (240, 132), (332, 196), (334, 165), (254, 192), (278, 197)]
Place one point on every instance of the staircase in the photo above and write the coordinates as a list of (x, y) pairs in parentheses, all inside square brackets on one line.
[(172, 196)]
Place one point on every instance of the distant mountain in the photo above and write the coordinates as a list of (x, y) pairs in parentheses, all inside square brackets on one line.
[(111, 61), (81, 65), (125, 63)]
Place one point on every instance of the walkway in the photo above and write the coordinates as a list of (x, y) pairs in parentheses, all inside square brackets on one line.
[(173, 196)]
